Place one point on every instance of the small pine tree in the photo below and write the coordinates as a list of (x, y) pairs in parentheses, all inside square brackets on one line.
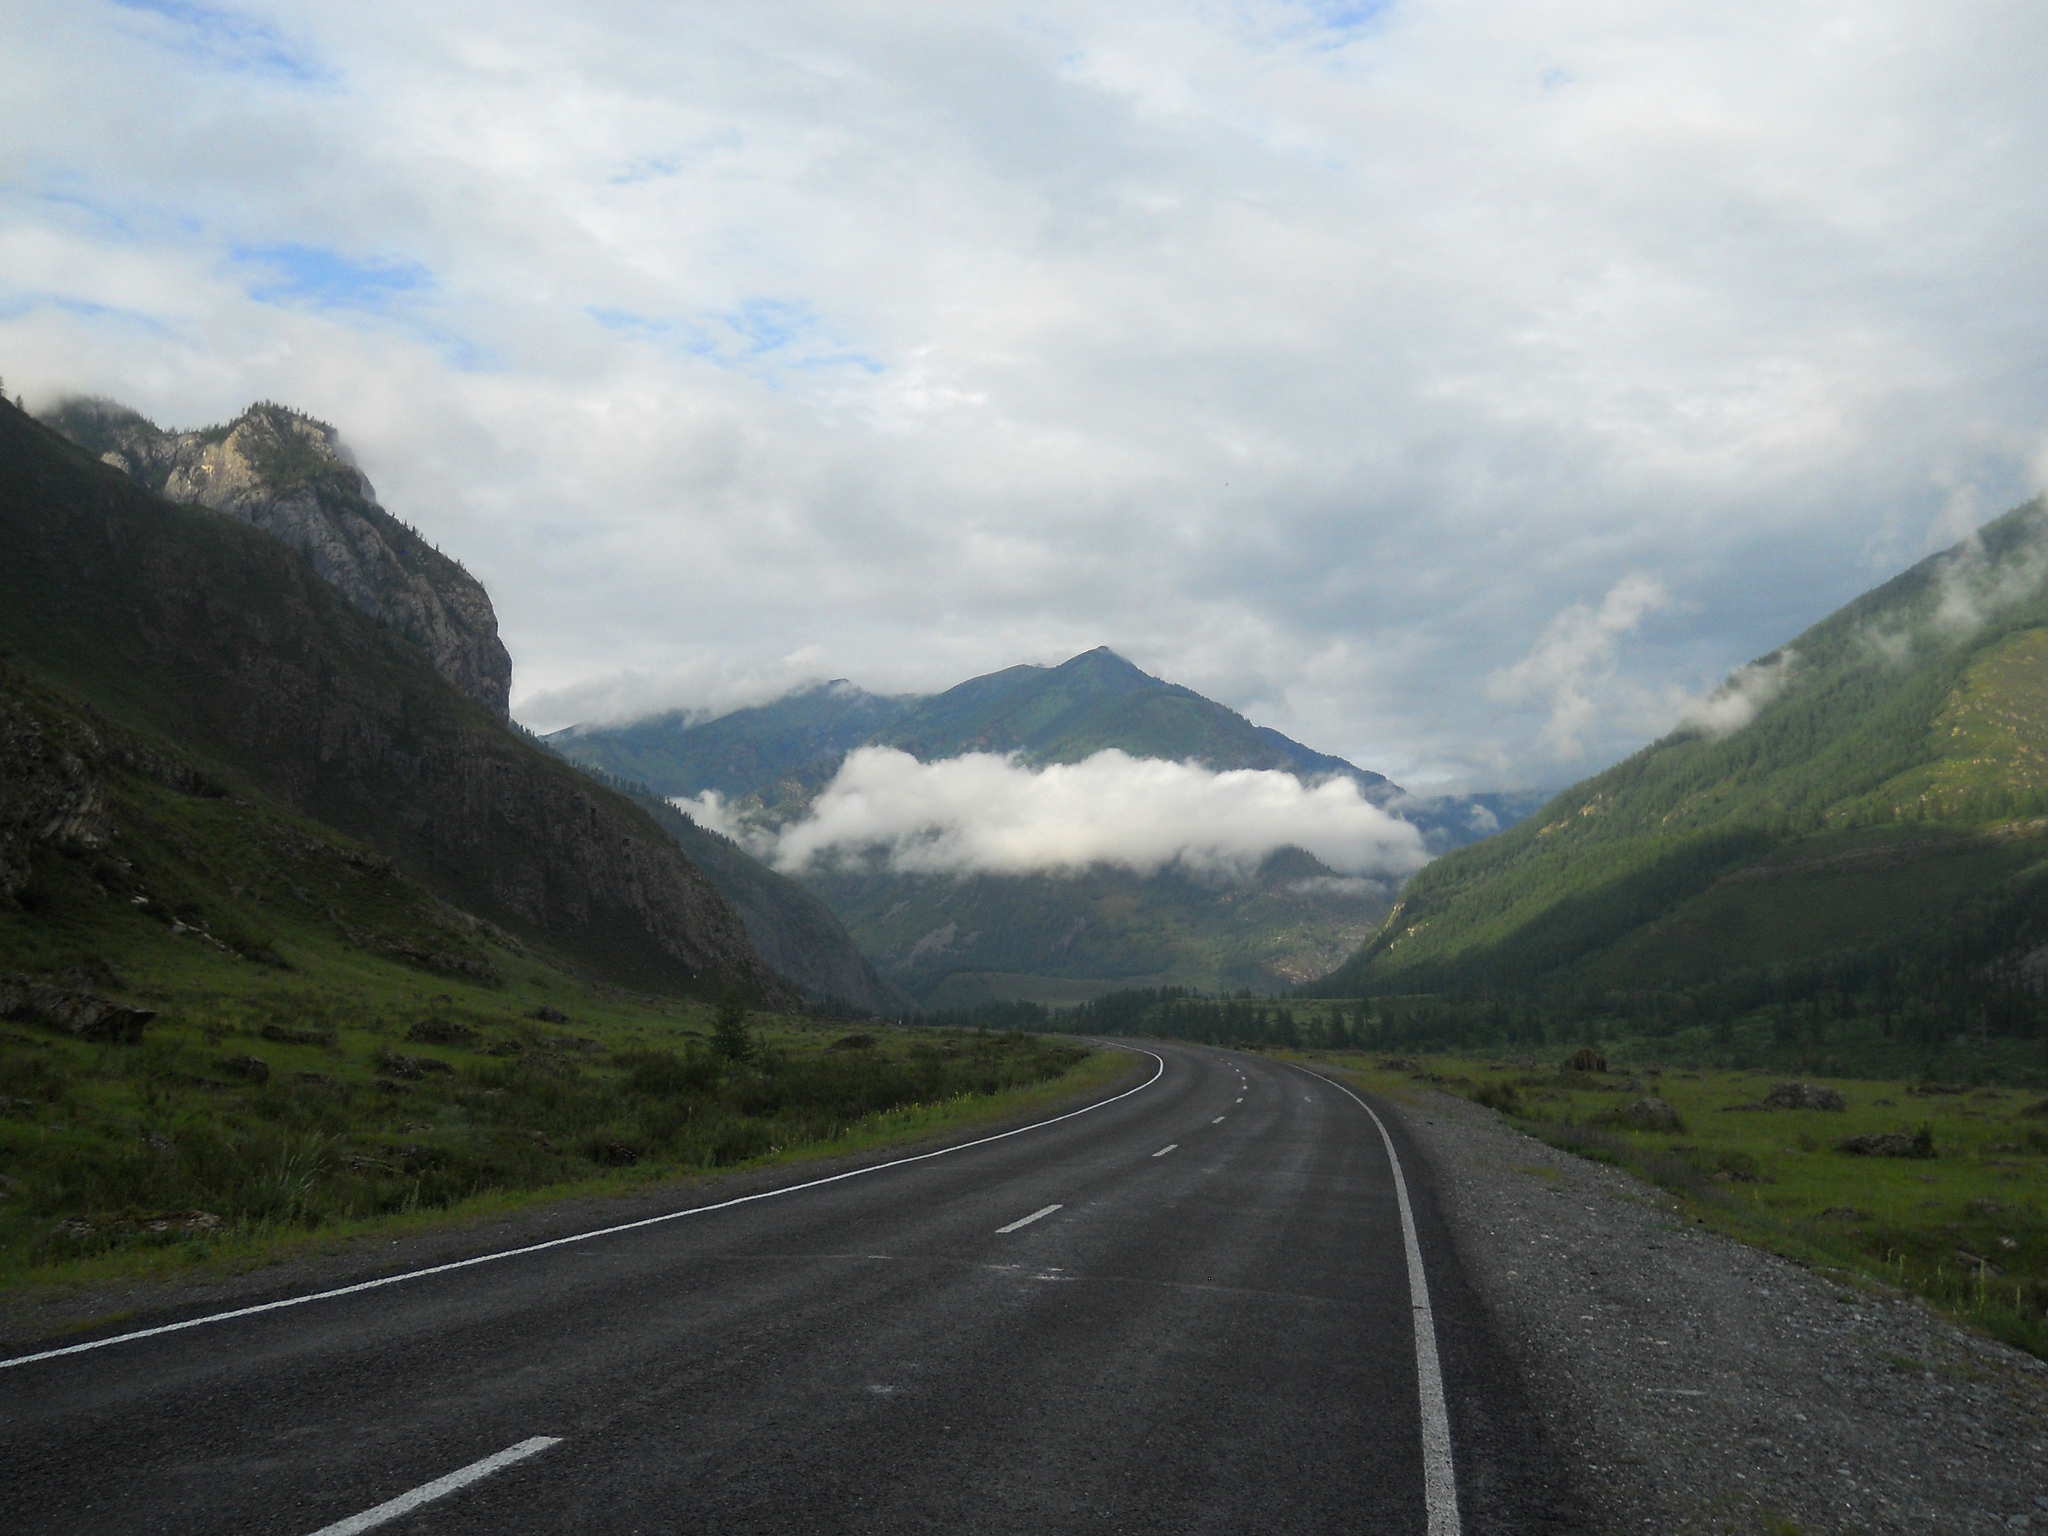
[(729, 1036)]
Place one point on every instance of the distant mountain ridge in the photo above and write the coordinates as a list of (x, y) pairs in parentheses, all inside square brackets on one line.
[(1864, 811), (781, 753), (1289, 924), (288, 475)]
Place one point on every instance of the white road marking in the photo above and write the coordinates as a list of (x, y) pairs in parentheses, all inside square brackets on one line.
[(1240, 1101), (1217, 1121), (426, 1493), (1013, 1226), (1439, 1480), (1166, 1149), (584, 1237)]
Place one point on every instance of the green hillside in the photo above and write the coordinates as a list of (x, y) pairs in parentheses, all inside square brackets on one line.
[(195, 629), (1874, 834), (1013, 934)]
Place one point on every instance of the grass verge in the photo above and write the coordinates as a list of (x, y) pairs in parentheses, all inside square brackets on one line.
[(1953, 1215)]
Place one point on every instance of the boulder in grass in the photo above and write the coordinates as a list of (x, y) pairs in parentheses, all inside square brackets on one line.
[(1803, 1096), (76, 1013), (1585, 1059), (1889, 1144), (1651, 1114), (2036, 1109), (252, 1069), (442, 1032)]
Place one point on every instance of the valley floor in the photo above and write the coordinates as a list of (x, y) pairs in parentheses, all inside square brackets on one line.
[(1702, 1385)]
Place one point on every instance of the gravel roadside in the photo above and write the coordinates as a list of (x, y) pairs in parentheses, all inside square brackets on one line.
[(1701, 1385)]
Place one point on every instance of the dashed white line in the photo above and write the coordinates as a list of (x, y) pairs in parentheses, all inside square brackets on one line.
[(584, 1237), (426, 1493), (1166, 1149), (1217, 1121), (1240, 1101), (1026, 1221)]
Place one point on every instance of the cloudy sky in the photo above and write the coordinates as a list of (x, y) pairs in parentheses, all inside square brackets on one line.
[(1463, 386)]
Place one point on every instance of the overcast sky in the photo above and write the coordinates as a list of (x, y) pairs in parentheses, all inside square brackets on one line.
[(1460, 387)]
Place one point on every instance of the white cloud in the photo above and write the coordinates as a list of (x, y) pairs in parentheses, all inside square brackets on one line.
[(987, 814), (708, 687), (1747, 690), (1316, 366), (1574, 661)]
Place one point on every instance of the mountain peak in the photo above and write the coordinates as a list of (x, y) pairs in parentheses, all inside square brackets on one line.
[(291, 476)]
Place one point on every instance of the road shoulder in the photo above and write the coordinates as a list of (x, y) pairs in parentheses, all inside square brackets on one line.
[(1696, 1384)]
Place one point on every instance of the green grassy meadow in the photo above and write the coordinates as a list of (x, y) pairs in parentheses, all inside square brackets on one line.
[(266, 1111), (1964, 1228)]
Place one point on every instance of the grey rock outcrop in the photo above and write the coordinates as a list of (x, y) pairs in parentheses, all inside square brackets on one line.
[(1803, 1096), (291, 477)]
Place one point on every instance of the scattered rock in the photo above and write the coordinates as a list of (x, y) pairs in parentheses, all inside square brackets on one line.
[(1843, 1213), (1937, 1090), (504, 1048), (855, 1042), (2039, 1109), (412, 1066), (1651, 1114), (284, 1036), (1400, 1064), (82, 1014), (550, 1015), (1803, 1096), (442, 1032), (252, 1069), (1888, 1144), (16, 1106), (388, 1086), (1585, 1059)]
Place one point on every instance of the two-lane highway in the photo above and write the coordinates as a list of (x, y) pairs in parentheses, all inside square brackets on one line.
[(1195, 1307)]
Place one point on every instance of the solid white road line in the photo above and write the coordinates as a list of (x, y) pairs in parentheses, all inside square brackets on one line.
[(1166, 1149), (1013, 1226), (1439, 1482), (426, 1493), (584, 1237)]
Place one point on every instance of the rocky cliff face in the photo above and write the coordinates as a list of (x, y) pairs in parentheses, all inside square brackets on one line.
[(230, 647), (290, 476)]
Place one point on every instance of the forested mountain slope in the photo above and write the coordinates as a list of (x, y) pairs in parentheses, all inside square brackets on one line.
[(1861, 811), (288, 475), (191, 626)]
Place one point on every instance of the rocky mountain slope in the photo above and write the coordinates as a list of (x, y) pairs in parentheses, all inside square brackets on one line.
[(289, 476), (185, 624), (1860, 814)]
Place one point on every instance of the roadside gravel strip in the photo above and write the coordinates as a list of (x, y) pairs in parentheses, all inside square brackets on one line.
[(1701, 1385)]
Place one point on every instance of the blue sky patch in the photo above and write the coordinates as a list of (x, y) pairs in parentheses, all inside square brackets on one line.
[(329, 280), (762, 336), (230, 39)]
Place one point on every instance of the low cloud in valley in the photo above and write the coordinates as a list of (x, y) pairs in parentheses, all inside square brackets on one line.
[(987, 814)]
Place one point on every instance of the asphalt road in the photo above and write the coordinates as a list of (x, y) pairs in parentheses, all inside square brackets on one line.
[(1217, 1337)]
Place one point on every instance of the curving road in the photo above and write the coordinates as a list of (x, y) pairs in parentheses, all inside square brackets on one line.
[(1185, 1309)]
